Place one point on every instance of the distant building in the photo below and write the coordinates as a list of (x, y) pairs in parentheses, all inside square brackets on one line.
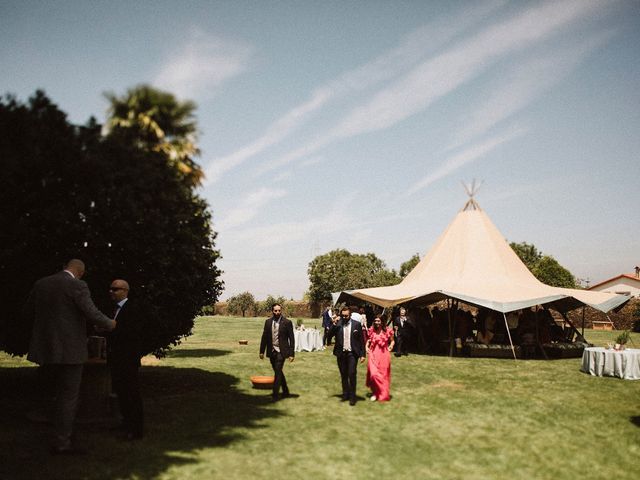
[(624, 284)]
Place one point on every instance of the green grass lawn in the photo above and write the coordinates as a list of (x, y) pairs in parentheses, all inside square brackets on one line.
[(449, 418)]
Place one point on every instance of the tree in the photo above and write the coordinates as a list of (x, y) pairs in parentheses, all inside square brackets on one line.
[(549, 271), (544, 267), (241, 303), (409, 265), (267, 303), (68, 191), (528, 253), (341, 270), (157, 121)]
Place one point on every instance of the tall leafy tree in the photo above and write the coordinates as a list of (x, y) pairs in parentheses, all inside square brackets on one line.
[(528, 253), (159, 122), (549, 271), (544, 267), (342, 270), (68, 191), (409, 265)]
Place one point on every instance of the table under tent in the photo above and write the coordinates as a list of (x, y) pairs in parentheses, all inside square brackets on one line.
[(472, 267)]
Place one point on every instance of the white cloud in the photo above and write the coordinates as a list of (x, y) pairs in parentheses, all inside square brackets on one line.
[(282, 176), (248, 208), (441, 75), (274, 134), (202, 65), (386, 66), (519, 87), (287, 232), (465, 157)]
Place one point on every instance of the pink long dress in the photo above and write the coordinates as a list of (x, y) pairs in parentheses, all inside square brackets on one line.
[(379, 363)]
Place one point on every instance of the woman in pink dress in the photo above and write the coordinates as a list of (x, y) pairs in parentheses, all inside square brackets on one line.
[(379, 344)]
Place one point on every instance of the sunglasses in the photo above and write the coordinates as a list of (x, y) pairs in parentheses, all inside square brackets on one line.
[(115, 289)]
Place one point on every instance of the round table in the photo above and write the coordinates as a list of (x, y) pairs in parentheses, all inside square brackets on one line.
[(601, 361), (308, 340)]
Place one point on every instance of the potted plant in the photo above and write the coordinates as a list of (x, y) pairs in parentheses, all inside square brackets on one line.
[(621, 340)]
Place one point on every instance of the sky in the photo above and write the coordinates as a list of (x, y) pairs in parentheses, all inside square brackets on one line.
[(354, 124)]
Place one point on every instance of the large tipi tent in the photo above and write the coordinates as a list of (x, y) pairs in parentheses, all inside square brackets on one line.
[(473, 263)]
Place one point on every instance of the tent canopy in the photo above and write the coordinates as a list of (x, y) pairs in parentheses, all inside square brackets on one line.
[(472, 262)]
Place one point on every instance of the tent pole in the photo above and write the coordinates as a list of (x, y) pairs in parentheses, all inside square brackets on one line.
[(506, 325), (573, 328), (450, 333)]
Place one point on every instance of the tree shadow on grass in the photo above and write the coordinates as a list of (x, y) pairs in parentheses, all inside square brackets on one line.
[(196, 352), (635, 420), (186, 410)]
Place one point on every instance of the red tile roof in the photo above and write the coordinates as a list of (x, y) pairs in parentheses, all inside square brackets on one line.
[(630, 276)]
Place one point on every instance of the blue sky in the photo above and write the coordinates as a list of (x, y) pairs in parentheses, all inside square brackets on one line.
[(351, 125)]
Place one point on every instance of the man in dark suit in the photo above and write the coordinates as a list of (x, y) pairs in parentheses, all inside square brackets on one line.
[(327, 323), (124, 350), (401, 327), (60, 306), (279, 344), (348, 349)]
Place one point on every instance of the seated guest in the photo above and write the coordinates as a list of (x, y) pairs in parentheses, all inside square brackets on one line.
[(544, 330), (486, 332), (463, 327), (526, 330)]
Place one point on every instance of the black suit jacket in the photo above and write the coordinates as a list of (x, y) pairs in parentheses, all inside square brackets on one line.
[(126, 342), (402, 329), (286, 339), (357, 338)]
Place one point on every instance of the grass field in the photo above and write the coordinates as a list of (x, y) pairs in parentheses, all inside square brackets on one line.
[(449, 418)]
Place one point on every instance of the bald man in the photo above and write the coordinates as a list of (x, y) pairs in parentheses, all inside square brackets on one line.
[(124, 351), (60, 306)]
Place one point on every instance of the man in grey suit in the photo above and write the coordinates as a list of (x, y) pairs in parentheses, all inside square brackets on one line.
[(60, 306)]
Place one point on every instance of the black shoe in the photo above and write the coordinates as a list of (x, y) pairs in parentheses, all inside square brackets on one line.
[(286, 394), (344, 398), (275, 398), (396, 354), (70, 450), (352, 402)]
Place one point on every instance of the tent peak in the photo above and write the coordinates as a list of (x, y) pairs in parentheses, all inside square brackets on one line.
[(471, 190)]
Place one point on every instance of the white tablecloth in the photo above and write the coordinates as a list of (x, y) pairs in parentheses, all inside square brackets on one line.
[(308, 340), (604, 362)]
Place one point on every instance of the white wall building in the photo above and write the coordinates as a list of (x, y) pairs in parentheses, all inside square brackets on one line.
[(624, 284)]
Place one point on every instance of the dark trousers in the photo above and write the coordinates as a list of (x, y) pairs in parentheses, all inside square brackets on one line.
[(277, 362), (401, 343), (65, 394), (124, 378), (347, 364), (327, 337)]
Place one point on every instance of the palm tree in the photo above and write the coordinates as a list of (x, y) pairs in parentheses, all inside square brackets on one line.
[(158, 122)]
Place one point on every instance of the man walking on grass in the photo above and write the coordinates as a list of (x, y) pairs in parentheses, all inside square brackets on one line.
[(278, 342), (349, 348)]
